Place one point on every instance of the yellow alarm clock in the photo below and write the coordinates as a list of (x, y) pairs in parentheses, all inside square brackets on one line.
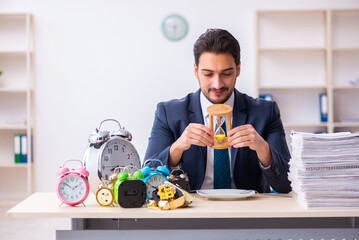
[(104, 194)]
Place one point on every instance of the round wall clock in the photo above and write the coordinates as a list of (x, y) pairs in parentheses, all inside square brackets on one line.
[(174, 27)]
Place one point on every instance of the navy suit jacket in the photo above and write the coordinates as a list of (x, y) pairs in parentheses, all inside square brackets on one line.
[(172, 117)]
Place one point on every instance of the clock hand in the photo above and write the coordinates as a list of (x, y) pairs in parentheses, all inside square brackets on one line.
[(67, 185)]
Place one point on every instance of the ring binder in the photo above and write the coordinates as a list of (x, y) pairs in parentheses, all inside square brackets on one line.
[(323, 101)]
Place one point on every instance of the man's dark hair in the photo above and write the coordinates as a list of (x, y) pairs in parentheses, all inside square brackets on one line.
[(217, 41)]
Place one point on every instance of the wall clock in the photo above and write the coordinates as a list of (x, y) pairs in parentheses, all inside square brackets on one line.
[(174, 27)]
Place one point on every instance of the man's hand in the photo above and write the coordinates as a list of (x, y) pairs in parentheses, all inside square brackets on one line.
[(194, 134), (247, 136)]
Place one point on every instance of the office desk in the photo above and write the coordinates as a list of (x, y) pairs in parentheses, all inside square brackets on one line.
[(262, 216)]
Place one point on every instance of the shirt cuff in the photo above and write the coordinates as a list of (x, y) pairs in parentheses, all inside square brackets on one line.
[(264, 168)]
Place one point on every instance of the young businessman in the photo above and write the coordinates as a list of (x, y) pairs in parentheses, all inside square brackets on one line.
[(180, 137)]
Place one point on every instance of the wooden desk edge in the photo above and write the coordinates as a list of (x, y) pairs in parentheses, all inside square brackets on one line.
[(46, 205)]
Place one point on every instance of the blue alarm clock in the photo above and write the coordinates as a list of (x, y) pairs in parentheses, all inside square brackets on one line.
[(154, 177)]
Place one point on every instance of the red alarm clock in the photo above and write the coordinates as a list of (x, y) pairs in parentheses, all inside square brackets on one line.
[(72, 188)]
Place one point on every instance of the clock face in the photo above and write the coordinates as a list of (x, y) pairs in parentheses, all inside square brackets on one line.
[(72, 189), (153, 182), (104, 197), (174, 27), (117, 152)]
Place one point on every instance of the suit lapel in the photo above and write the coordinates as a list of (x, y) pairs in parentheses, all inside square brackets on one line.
[(239, 118), (196, 116), (194, 108)]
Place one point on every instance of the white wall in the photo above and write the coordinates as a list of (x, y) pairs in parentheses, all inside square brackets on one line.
[(109, 59)]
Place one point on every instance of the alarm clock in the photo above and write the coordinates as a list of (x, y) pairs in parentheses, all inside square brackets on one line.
[(72, 188), (120, 177), (179, 177), (166, 192), (170, 196), (106, 151), (104, 194), (154, 177), (129, 190)]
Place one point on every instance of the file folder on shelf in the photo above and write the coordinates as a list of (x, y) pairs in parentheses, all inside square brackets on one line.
[(266, 96), (323, 102), (17, 148), (24, 148), (20, 148)]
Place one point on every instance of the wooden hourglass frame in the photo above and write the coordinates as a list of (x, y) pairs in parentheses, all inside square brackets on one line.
[(220, 110)]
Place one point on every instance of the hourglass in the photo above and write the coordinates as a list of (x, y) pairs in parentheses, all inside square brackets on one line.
[(221, 113)]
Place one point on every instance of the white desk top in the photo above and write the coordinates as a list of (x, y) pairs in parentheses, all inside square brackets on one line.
[(47, 205)]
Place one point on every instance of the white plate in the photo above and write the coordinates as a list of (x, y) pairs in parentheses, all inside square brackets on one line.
[(225, 194)]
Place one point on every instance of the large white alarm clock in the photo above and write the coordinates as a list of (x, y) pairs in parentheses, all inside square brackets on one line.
[(106, 151)]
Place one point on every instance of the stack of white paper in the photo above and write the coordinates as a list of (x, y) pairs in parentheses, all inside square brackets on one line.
[(324, 169)]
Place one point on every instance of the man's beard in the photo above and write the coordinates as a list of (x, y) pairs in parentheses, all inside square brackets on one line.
[(225, 89)]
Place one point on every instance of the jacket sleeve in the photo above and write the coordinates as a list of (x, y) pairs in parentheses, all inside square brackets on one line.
[(277, 174), (161, 137)]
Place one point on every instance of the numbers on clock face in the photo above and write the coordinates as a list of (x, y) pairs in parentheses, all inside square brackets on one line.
[(116, 153), (72, 188), (153, 182)]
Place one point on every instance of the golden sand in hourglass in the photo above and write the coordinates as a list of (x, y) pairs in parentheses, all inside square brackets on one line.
[(220, 113), (219, 134)]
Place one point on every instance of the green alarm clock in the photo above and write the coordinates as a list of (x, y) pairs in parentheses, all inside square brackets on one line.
[(154, 177), (129, 191)]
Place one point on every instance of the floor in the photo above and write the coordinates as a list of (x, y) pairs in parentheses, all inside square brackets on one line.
[(34, 229)]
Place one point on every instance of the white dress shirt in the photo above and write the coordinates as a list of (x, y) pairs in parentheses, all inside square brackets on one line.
[(208, 178)]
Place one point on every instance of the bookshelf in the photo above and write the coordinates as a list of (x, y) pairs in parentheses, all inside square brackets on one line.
[(16, 96), (345, 69), (301, 54)]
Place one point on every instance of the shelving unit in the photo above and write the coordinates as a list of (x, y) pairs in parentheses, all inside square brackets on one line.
[(301, 54), (16, 94), (345, 66)]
